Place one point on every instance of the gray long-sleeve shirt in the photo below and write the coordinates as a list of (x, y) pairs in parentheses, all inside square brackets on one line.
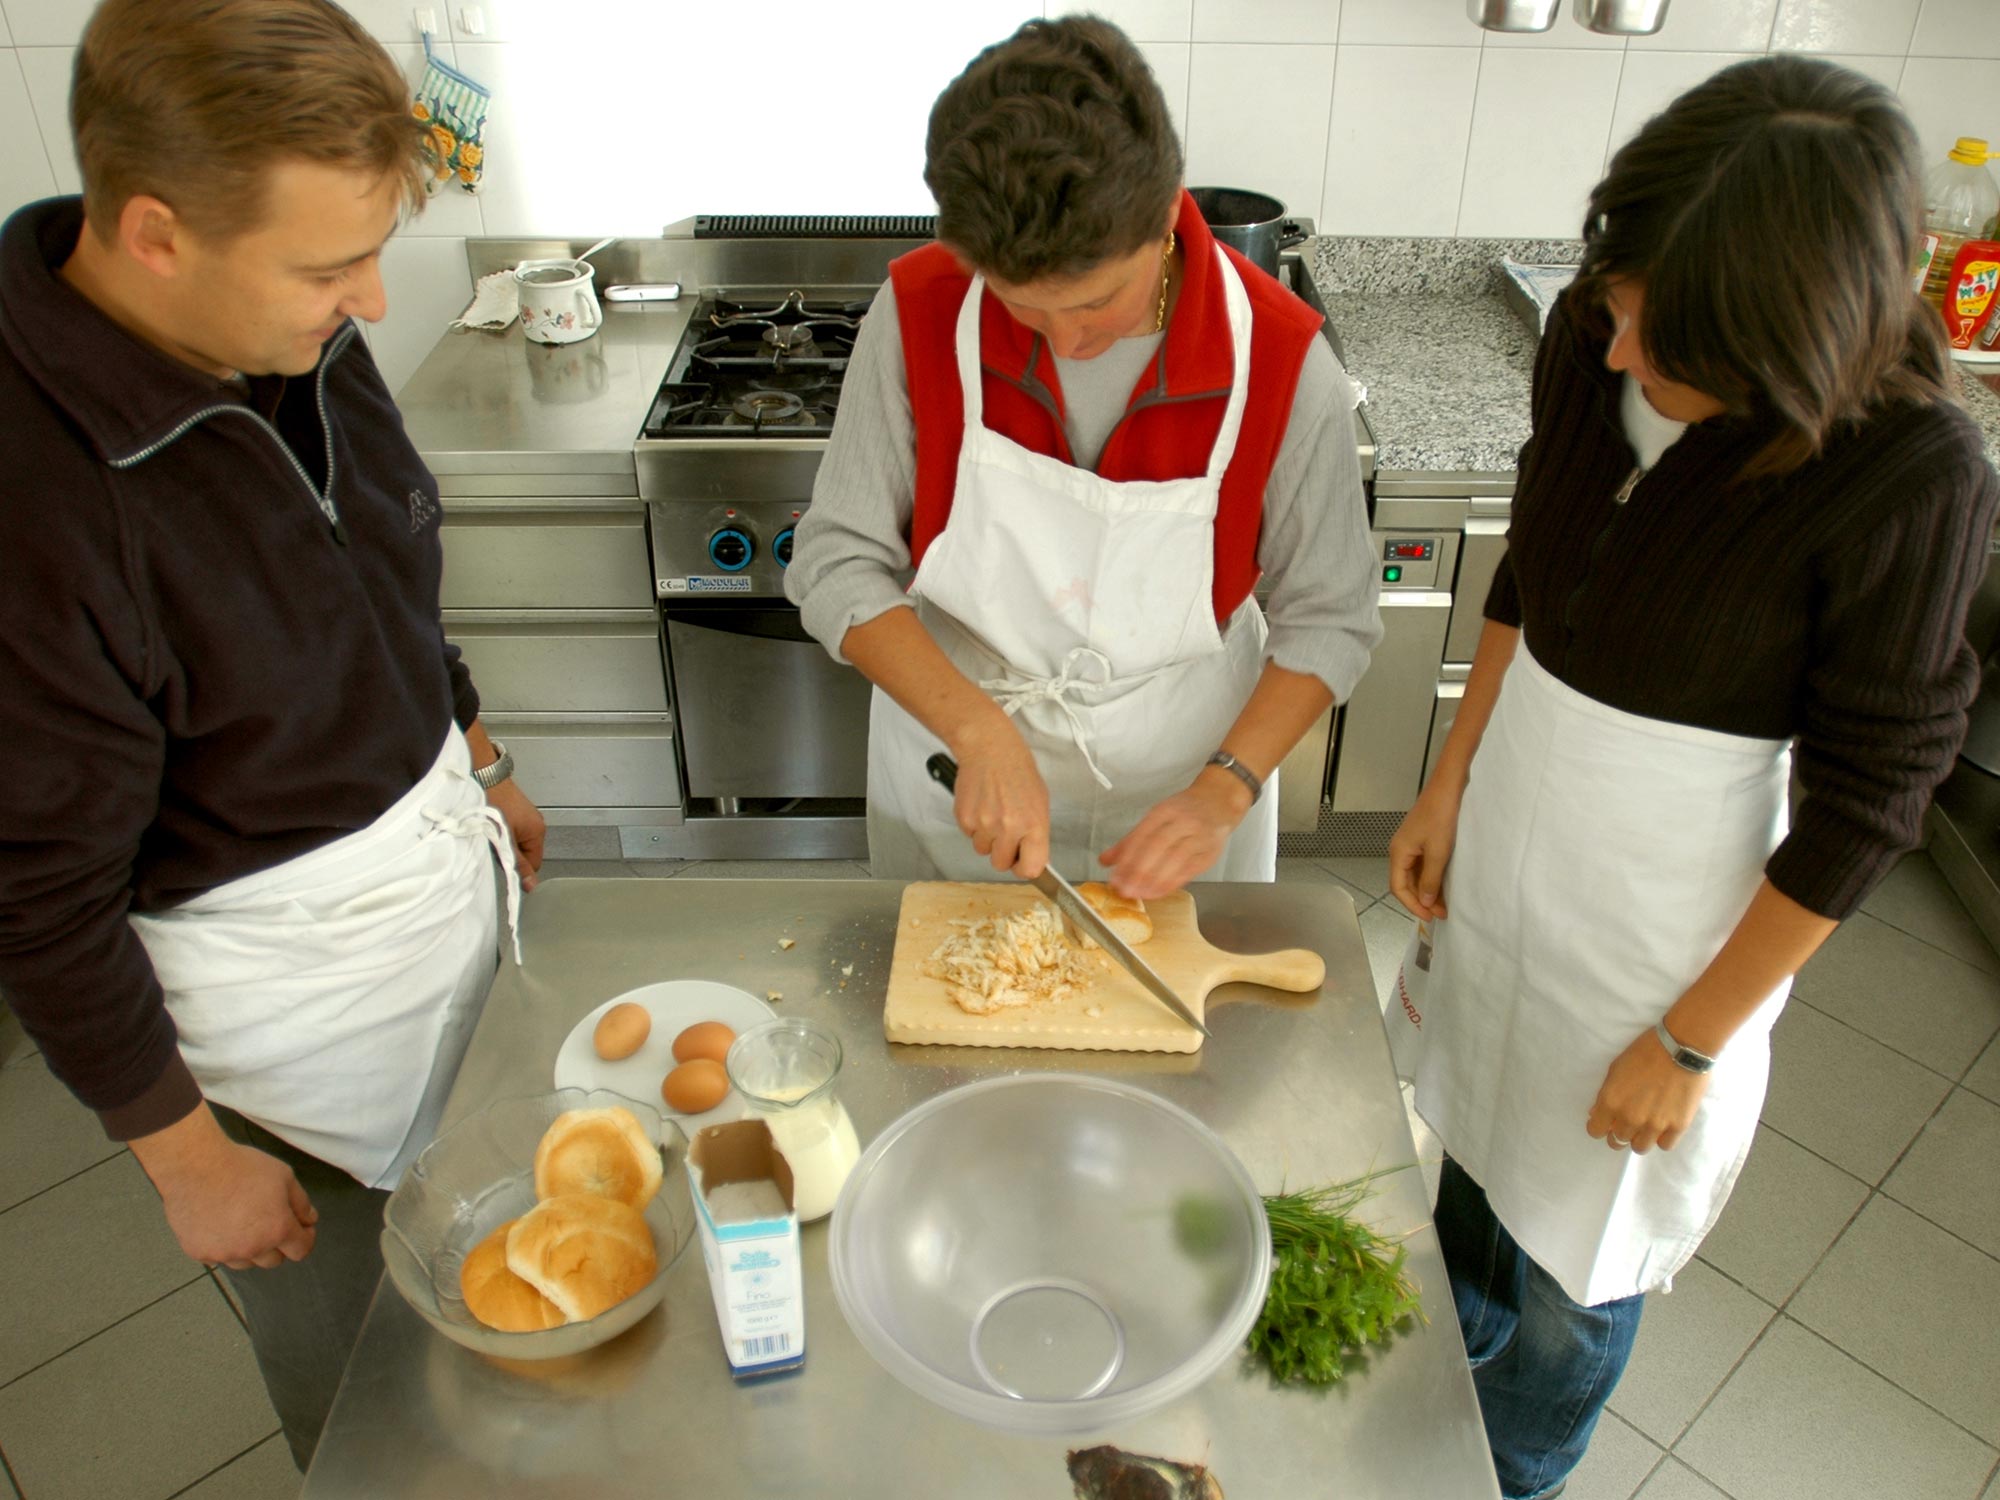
[(851, 561)]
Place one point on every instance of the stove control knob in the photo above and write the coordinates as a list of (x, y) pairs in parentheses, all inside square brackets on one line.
[(731, 550), (782, 548)]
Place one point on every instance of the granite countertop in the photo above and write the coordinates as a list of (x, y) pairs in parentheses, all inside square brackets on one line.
[(1445, 359)]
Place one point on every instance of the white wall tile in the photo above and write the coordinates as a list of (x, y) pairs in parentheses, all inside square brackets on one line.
[(6, 32), (1169, 62), (1844, 25), (427, 285), (24, 168), (1257, 118), (48, 23), (1141, 20), (1267, 20), (1885, 70), (1653, 80), (1395, 154), (396, 20), (1712, 26), (1568, 34), (1538, 136), (47, 71), (1957, 28), (1408, 23), (1949, 98), (452, 211)]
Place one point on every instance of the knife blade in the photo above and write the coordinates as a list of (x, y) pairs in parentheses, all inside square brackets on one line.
[(1066, 899)]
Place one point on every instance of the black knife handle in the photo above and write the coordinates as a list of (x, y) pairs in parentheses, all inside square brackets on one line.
[(944, 771)]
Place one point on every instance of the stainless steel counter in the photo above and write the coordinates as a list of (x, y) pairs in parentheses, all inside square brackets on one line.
[(1301, 1090), (493, 403)]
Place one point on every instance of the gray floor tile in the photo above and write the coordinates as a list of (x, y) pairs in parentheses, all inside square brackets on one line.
[(143, 1410), (1918, 999), (1309, 872), (1387, 932), (7, 1490), (1689, 1341), (81, 1256), (1787, 1208), (1849, 1098), (1984, 1078), (1802, 1421), (597, 869), (1916, 897), (1952, 1174), (774, 869), (1616, 1464), (266, 1472), (1932, 1332), (1370, 875), (48, 1135), (1674, 1480), (1992, 1486)]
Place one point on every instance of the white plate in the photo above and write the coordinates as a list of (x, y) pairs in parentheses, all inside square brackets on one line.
[(674, 1006)]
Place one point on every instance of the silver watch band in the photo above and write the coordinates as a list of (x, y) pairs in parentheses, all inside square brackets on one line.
[(502, 767), (1684, 1056), (1242, 772)]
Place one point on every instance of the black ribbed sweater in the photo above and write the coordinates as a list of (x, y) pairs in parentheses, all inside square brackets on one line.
[(1827, 606)]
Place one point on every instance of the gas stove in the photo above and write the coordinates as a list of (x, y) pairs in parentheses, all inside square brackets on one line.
[(757, 372)]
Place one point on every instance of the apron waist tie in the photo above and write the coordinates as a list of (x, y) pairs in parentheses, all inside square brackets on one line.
[(486, 821), (1013, 695)]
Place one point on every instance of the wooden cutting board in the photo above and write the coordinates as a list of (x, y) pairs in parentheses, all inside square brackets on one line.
[(1128, 1019)]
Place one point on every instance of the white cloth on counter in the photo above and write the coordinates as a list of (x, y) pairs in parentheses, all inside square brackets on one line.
[(495, 303)]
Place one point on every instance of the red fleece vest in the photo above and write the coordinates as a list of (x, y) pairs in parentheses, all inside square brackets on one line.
[(1170, 424)]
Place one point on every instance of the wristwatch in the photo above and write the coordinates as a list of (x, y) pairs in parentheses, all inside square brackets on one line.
[(1686, 1057), (1236, 768), (490, 776)]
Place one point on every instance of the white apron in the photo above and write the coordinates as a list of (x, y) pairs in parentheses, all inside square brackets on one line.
[(1083, 607), (331, 998), (1602, 861)]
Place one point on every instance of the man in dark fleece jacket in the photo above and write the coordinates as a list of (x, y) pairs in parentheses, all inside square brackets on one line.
[(247, 839)]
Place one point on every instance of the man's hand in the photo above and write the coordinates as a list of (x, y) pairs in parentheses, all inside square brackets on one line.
[(1647, 1099), (526, 823), (1178, 838), (228, 1204), (1001, 803)]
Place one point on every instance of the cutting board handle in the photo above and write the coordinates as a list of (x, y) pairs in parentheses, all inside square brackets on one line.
[(1296, 969)]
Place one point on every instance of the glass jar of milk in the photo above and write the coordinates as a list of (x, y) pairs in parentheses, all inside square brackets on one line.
[(788, 1072)]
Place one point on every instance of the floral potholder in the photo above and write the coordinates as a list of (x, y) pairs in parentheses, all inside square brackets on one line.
[(454, 107)]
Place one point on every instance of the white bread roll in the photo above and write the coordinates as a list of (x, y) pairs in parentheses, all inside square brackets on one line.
[(496, 1296), (601, 1151), (1126, 918), (583, 1252)]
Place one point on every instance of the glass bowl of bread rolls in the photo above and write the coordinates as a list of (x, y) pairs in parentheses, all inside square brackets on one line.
[(541, 1226)]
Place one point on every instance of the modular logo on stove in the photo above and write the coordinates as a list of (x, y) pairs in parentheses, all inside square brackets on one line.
[(706, 583)]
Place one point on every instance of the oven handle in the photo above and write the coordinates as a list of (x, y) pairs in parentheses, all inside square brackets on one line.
[(765, 622)]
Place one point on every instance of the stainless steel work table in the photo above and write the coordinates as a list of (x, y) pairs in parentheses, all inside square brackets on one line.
[(1301, 1090)]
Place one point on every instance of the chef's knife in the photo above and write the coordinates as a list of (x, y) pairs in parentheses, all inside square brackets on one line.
[(944, 771)]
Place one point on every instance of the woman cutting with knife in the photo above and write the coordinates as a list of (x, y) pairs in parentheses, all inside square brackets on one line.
[(1088, 428), (1750, 514)]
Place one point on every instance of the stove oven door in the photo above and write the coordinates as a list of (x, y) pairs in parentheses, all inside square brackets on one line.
[(762, 710)]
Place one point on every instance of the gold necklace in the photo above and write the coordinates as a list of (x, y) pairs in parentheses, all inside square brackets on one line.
[(1166, 269)]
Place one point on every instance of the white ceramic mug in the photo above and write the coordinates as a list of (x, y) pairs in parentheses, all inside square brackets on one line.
[(558, 300)]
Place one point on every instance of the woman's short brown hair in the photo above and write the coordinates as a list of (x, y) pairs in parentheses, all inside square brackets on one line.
[(1770, 214), (1052, 152), (193, 101)]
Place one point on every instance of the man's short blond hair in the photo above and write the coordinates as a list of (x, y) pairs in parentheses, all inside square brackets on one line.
[(194, 101)]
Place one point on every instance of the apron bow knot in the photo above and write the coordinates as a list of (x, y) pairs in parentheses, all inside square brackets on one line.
[(1015, 694)]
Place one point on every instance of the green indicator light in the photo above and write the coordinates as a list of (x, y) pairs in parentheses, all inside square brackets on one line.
[(1392, 575)]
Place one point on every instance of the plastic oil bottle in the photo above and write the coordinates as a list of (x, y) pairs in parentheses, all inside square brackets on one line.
[(1960, 202)]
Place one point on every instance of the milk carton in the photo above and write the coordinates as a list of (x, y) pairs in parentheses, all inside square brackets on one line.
[(750, 1244)]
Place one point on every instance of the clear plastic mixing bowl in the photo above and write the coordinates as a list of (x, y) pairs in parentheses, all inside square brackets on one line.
[(1050, 1253)]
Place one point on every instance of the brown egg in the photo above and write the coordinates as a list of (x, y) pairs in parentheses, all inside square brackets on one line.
[(622, 1031), (695, 1087), (709, 1039)]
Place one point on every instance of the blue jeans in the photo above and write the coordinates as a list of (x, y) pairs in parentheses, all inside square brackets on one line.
[(1543, 1365)]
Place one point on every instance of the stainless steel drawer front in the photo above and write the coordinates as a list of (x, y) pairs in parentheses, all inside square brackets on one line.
[(609, 761), (553, 559), (544, 662), (1386, 725), (1479, 558)]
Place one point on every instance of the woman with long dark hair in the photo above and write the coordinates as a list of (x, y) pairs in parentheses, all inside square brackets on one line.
[(1746, 529)]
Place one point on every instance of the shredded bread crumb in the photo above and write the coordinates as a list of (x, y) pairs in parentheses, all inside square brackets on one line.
[(1021, 958)]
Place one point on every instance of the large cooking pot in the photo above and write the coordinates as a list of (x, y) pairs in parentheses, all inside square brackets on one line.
[(1251, 223)]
